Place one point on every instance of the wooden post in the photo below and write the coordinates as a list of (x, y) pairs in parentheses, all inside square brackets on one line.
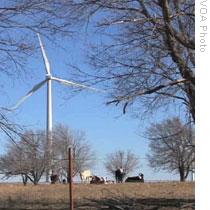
[(70, 179)]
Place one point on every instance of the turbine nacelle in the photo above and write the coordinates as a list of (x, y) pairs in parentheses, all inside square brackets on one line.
[(48, 77)]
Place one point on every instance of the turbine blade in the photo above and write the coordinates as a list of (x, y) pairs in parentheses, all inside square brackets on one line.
[(33, 90), (44, 55), (74, 84)]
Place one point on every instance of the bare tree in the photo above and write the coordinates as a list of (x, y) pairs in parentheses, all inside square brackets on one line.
[(145, 52), (83, 155), (11, 129), (128, 161), (27, 157), (171, 147)]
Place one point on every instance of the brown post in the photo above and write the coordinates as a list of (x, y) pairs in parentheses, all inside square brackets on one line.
[(70, 179)]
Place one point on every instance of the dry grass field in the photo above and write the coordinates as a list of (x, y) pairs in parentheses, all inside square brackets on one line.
[(132, 196)]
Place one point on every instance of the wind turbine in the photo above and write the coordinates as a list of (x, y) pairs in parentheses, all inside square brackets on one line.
[(48, 79)]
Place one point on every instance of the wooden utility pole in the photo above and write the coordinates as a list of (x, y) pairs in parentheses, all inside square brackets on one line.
[(70, 179)]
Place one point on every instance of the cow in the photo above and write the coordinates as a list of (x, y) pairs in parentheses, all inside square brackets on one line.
[(85, 176), (119, 175), (54, 178), (97, 180), (109, 181), (139, 178)]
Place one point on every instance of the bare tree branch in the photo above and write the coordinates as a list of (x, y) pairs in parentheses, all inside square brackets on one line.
[(171, 147)]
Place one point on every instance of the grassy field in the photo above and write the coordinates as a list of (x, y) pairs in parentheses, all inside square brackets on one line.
[(132, 196)]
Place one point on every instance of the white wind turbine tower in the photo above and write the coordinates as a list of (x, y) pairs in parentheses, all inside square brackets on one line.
[(49, 78)]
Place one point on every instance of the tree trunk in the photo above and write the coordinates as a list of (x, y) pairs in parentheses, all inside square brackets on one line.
[(182, 176), (25, 179), (36, 180), (191, 96)]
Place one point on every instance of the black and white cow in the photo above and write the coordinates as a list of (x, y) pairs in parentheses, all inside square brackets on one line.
[(139, 178), (54, 178), (97, 180), (119, 175)]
